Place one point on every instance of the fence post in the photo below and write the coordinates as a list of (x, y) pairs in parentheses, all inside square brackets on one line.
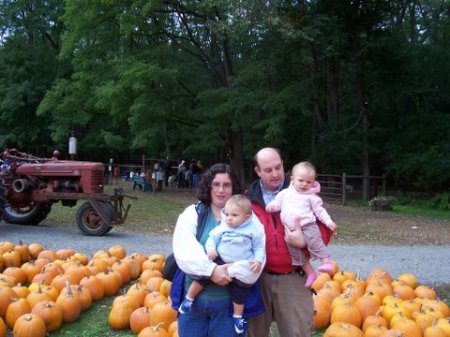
[(344, 189), (384, 184)]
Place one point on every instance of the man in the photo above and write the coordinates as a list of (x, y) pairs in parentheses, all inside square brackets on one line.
[(286, 300)]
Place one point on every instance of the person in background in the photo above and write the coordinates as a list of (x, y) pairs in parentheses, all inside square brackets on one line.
[(210, 315), (300, 205), (285, 298)]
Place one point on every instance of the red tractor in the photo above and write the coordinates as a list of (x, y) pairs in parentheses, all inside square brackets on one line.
[(29, 186)]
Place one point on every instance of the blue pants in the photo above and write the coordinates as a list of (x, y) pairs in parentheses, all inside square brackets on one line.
[(207, 319)]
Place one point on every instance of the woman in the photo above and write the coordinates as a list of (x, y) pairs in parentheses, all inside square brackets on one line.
[(210, 315)]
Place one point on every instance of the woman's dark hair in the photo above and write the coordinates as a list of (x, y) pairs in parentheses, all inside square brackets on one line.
[(204, 188)]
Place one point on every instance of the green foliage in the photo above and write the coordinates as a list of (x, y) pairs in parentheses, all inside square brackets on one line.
[(440, 201), (218, 80)]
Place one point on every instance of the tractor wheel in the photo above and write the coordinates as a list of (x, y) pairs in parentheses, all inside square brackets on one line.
[(90, 222), (31, 214)]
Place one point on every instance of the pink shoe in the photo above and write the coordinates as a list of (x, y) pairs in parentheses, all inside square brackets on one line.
[(326, 267), (310, 280)]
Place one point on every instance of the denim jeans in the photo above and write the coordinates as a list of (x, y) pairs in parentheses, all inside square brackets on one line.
[(207, 319)]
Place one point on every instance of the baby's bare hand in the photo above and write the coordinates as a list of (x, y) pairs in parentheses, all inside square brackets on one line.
[(256, 266), (212, 254)]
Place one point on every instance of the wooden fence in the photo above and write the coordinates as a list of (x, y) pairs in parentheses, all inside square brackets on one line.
[(340, 188)]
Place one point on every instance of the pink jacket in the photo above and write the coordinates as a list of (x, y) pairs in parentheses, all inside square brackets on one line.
[(303, 206)]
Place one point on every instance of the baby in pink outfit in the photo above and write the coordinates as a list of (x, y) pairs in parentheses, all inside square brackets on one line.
[(301, 206)]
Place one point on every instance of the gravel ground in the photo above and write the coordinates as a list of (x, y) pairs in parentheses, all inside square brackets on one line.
[(429, 263)]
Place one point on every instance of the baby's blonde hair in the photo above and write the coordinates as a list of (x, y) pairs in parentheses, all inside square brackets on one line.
[(241, 201), (305, 165)]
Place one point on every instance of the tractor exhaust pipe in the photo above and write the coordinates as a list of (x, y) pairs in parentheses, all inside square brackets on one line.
[(20, 185)]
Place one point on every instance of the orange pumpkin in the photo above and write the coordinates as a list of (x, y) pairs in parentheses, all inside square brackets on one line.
[(29, 325), (139, 319), (340, 329), (322, 312), (153, 331), (3, 328), (346, 313), (50, 313), (162, 312), (17, 308)]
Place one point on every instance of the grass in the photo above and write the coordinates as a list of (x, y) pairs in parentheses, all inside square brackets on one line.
[(422, 211)]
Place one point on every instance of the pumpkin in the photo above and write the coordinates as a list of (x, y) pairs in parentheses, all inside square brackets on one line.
[(124, 270), (50, 313), (344, 275), (65, 253), (30, 269), (119, 316), (11, 258), (408, 279), (140, 319), (322, 312), (76, 272), (70, 305), (164, 288), (6, 246), (147, 273), (346, 313), (6, 297), (35, 248), (29, 325), (340, 329), (434, 331), (376, 319), (17, 308), (110, 281), (444, 325), (24, 252), (375, 331), (138, 291), (134, 264), (152, 298), (153, 331), (36, 296), (154, 283), (368, 304), (392, 333), (94, 285), (162, 312), (405, 292), (20, 290), (117, 251), (320, 281), (3, 328), (425, 292), (408, 327)]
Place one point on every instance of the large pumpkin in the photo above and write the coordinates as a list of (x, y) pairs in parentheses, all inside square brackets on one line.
[(29, 325)]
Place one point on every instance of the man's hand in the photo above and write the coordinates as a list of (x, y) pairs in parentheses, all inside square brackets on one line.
[(294, 238), (220, 275), (332, 226)]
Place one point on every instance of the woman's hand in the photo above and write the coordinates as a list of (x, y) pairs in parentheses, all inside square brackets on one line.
[(220, 275), (294, 238)]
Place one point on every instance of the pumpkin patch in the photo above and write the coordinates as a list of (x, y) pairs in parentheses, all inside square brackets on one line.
[(42, 289)]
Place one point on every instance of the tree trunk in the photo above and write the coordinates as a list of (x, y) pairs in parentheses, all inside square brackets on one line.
[(236, 152)]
